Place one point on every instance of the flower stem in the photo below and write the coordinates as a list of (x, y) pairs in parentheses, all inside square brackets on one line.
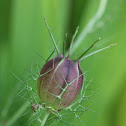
[(45, 118), (97, 16), (17, 115)]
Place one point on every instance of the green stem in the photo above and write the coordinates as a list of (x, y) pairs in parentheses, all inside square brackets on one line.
[(45, 118), (97, 16), (17, 115)]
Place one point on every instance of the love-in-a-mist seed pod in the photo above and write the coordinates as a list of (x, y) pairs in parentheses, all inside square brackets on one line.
[(60, 86), (61, 78)]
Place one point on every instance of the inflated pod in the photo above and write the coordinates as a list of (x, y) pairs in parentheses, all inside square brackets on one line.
[(60, 82)]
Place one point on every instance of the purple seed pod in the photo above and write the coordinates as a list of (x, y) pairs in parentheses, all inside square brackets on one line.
[(61, 84), (61, 78)]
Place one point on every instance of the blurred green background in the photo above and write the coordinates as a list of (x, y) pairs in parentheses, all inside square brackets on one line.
[(22, 30)]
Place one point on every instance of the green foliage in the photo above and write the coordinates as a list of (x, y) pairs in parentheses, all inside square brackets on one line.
[(23, 30)]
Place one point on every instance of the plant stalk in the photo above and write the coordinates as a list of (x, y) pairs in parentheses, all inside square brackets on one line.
[(17, 115), (45, 118)]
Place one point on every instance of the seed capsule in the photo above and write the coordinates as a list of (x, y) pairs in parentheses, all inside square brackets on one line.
[(61, 84), (61, 78)]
